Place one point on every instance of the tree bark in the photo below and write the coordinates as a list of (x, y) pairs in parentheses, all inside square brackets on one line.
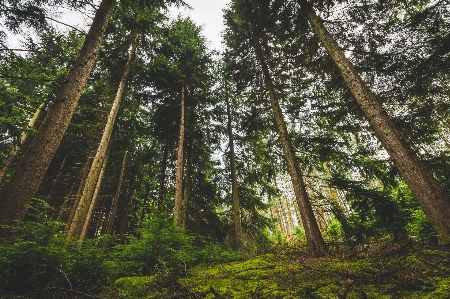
[(236, 207), (28, 175), (23, 138), (52, 199), (96, 167), (177, 213), (123, 224), (433, 199), (93, 203), (188, 185), (162, 181), (314, 240), (113, 210)]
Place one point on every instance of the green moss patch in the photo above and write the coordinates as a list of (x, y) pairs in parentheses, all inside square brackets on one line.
[(412, 274)]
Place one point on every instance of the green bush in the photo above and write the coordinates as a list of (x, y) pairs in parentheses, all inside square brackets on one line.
[(160, 248), (32, 257)]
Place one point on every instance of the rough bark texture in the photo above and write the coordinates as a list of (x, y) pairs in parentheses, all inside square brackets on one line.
[(177, 213), (314, 240), (433, 199), (234, 189), (23, 138), (113, 210), (96, 167), (28, 175)]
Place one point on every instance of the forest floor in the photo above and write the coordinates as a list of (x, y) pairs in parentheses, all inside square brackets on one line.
[(394, 271)]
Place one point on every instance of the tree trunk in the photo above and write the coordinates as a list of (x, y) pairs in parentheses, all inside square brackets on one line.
[(23, 138), (113, 210), (94, 173), (123, 224), (28, 175), (314, 240), (162, 182), (98, 185), (52, 199), (433, 199), (177, 213), (236, 207), (188, 185)]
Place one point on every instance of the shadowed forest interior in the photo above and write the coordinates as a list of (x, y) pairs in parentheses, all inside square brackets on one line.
[(308, 158)]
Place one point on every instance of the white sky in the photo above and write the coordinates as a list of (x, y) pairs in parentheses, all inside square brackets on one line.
[(206, 13), (209, 15)]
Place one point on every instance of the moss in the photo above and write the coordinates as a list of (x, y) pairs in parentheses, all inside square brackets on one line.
[(148, 287), (414, 275)]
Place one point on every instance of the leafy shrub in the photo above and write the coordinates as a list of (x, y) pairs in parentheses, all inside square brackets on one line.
[(89, 265), (32, 257), (160, 248), (213, 253)]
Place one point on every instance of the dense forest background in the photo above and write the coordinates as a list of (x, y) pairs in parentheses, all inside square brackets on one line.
[(133, 149)]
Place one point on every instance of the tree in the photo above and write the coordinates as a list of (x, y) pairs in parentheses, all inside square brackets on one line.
[(258, 41), (33, 165), (431, 196), (236, 207), (97, 165)]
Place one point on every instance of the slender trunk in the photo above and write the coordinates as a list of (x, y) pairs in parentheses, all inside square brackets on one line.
[(433, 199), (76, 199), (98, 185), (187, 187), (53, 200), (236, 207), (94, 173), (64, 211), (113, 210), (177, 213), (283, 218), (29, 173), (122, 229), (162, 182), (314, 240), (146, 203), (23, 138)]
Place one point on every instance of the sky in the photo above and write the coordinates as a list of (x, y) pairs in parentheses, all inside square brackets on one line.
[(208, 14), (205, 13)]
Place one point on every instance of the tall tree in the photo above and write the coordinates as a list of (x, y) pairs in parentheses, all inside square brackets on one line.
[(28, 175), (236, 207), (433, 199), (178, 212), (98, 162), (255, 33)]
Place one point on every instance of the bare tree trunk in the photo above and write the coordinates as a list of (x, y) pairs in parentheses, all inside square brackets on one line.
[(113, 210), (23, 138), (29, 173), (57, 203), (433, 199), (162, 182), (177, 213), (236, 207), (123, 224), (314, 240), (87, 220), (76, 200), (94, 173), (188, 186)]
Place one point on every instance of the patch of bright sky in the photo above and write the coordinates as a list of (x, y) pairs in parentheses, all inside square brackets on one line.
[(209, 15)]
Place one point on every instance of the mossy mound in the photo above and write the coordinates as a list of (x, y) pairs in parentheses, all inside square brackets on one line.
[(413, 273)]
